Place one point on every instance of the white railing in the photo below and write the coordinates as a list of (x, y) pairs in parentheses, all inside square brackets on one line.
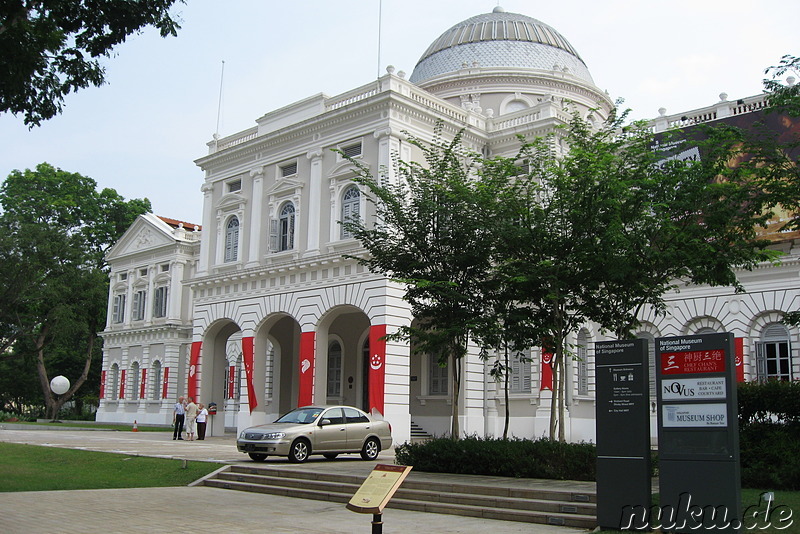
[(722, 109)]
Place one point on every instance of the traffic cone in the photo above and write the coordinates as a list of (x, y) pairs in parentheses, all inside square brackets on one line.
[(135, 427)]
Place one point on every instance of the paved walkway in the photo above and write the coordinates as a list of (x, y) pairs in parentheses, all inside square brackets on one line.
[(202, 509)]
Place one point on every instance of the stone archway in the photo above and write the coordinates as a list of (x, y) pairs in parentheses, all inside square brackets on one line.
[(342, 377), (214, 370)]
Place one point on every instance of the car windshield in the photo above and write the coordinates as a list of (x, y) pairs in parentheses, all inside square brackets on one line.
[(301, 415)]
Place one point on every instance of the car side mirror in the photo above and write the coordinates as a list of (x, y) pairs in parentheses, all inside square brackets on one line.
[(325, 422)]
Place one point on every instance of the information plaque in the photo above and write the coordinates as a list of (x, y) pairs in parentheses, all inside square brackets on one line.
[(623, 432), (379, 487), (698, 434)]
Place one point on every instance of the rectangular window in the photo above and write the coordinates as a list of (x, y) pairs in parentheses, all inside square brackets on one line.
[(143, 272), (165, 268), (773, 361), (118, 313), (437, 384), (123, 277), (288, 170), (234, 186), (160, 302), (351, 151), (520, 379), (139, 299)]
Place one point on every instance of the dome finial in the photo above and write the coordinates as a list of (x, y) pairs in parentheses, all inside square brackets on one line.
[(498, 9)]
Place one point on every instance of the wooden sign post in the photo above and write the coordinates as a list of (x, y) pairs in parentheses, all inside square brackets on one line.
[(376, 492)]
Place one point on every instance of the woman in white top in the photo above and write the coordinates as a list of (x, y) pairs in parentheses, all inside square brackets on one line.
[(201, 421)]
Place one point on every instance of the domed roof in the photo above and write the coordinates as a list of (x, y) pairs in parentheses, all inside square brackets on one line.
[(500, 39)]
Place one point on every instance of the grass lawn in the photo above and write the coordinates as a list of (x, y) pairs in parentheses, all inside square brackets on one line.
[(35, 468)]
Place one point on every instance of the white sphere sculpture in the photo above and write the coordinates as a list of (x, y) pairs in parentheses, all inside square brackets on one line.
[(59, 385)]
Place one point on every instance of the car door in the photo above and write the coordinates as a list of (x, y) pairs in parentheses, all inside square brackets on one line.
[(331, 432), (358, 427)]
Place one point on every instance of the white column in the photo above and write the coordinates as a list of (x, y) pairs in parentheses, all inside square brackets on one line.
[(175, 291), (314, 202), (256, 224), (205, 237)]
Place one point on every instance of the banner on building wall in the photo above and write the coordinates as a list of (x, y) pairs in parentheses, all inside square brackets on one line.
[(738, 347), (143, 384), (122, 384), (247, 357), (547, 371), (194, 363), (306, 394), (165, 390), (231, 381), (377, 367), (102, 384)]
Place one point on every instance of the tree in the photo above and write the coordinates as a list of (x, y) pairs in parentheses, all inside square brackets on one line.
[(57, 228), (608, 226), (51, 47), (434, 236)]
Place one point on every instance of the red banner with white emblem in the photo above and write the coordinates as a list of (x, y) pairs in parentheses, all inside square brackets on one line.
[(102, 384), (143, 384), (194, 363), (306, 394), (122, 385), (547, 371), (247, 356), (165, 390), (231, 381), (377, 367), (738, 346)]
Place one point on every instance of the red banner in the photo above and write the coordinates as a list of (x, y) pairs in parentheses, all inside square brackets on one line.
[(738, 346), (102, 384), (231, 381), (693, 362), (247, 356), (377, 367), (194, 362), (547, 371), (306, 394), (166, 383), (122, 385), (143, 384)]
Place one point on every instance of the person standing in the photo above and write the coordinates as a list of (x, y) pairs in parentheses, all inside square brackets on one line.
[(191, 419), (178, 418), (202, 415)]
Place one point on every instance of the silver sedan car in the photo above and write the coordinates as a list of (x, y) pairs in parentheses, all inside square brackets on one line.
[(326, 430)]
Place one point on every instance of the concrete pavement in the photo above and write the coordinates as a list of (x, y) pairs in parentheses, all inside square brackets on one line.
[(199, 508)]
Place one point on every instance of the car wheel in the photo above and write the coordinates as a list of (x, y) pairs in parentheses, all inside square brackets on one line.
[(257, 456), (299, 451), (331, 455), (370, 449)]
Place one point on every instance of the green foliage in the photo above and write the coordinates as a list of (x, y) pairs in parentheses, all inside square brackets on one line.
[(51, 49), (769, 434), (522, 458), (55, 228), (33, 468)]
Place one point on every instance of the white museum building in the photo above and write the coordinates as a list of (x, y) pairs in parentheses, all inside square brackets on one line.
[(258, 308)]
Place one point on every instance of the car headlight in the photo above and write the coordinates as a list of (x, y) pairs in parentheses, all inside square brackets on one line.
[(274, 435)]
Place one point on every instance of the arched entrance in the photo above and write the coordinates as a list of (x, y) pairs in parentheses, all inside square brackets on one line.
[(214, 374), (342, 367)]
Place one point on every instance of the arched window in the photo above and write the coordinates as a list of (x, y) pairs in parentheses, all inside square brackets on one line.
[(135, 381), (520, 378), (232, 240), (155, 381), (286, 227), (335, 369), (773, 357), (351, 209)]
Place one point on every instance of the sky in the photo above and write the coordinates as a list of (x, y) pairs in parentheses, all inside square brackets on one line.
[(141, 132)]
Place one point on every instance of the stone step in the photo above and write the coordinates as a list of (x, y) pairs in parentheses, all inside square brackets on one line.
[(531, 505)]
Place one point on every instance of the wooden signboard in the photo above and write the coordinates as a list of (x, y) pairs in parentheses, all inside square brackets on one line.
[(379, 487)]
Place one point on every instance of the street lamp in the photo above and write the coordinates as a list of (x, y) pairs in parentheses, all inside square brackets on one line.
[(59, 385)]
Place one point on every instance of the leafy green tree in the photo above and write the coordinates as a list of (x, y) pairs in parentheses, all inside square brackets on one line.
[(51, 47), (57, 228), (610, 225), (434, 236)]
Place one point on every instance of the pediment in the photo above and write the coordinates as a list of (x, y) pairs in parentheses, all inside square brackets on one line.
[(147, 232), (286, 185)]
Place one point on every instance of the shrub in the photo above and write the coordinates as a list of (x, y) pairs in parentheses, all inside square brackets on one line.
[(514, 457)]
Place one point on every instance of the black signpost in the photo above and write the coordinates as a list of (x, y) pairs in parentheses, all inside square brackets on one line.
[(698, 434), (623, 434)]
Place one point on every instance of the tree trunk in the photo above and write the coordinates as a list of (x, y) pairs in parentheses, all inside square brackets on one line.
[(505, 395), (554, 397), (455, 431), (561, 399)]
